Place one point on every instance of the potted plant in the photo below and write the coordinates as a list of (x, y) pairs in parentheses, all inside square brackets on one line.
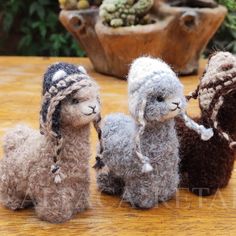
[(121, 30)]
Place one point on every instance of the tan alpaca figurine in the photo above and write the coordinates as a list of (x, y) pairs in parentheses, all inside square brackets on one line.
[(50, 170)]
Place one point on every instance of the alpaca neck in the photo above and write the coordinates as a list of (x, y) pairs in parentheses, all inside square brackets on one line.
[(75, 140), (159, 128), (156, 137)]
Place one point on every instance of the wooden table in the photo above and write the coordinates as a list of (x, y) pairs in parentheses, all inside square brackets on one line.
[(187, 214)]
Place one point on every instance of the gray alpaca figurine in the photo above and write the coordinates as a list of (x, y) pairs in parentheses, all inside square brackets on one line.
[(139, 154)]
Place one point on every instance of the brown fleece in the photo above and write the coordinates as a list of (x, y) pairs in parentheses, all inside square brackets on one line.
[(27, 171), (207, 165)]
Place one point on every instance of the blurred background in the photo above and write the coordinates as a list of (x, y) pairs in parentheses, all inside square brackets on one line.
[(32, 28)]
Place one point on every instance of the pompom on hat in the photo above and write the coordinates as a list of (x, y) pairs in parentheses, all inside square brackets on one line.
[(60, 81)]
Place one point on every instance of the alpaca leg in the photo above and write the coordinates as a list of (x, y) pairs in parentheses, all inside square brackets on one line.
[(140, 193), (167, 192), (13, 188), (184, 182), (168, 186), (82, 198), (13, 199), (59, 204), (207, 191), (201, 190), (110, 184), (55, 209), (199, 186)]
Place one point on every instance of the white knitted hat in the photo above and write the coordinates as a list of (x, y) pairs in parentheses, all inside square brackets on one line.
[(144, 73)]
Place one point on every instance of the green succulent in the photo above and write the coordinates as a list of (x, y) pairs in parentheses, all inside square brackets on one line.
[(116, 13)]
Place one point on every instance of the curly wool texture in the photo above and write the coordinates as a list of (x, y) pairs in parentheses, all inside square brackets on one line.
[(25, 171), (153, 84), (207, 165), (118, 13)]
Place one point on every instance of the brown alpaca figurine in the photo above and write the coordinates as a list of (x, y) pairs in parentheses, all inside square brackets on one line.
[(207, 165), (51, 170)]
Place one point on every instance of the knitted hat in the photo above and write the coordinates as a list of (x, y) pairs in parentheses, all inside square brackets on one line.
[(218, 81), (60, 81), (144, 73)]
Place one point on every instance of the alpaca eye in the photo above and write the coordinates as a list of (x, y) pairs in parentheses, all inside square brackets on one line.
[(160, 99), (74, 101)]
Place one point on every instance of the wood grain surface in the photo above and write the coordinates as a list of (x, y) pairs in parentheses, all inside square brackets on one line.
[(186, 214)]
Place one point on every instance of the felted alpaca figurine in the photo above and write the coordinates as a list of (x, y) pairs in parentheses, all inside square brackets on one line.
[(51, 170), (138, 156), (207, 166)]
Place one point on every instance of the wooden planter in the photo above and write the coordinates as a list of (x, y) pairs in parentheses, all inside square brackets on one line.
[(178, 36)]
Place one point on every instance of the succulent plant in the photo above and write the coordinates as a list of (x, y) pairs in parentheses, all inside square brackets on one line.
[(118, 13), (68, 4), (78, 4)]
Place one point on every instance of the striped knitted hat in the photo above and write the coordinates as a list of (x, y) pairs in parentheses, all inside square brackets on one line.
[(60, 81), (218, 81)]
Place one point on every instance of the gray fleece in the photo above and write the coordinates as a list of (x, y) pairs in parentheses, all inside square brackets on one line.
[(153, 83)]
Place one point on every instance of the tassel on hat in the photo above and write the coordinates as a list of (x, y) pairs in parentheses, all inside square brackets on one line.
[(144, 159), (205, 133)]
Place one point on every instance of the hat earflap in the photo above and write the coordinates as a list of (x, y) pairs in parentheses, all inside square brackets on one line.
[(223, 134), (147, 167), (97, 125), (205, 133), (50, 122)]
